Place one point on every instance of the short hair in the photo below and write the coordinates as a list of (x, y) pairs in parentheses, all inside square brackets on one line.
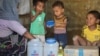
[(95, 13), (36, 1), (58, 3)]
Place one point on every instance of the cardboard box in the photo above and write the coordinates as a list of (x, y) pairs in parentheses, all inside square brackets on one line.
[(81, 51)]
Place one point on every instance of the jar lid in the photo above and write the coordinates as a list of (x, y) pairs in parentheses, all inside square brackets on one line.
[(35, 40), (50, 40)]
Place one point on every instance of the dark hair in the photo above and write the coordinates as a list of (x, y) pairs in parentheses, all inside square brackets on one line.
[(36, 1), (58, 3), (95, 13)]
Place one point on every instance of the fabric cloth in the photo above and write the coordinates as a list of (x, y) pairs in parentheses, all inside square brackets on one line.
[(61, 38), (8, 9), (8, 48), (37, 26), (41, 37), (60, 26), (7, 27), (91, 35), (24, 7)]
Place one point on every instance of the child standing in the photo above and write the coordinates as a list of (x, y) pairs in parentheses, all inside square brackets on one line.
[(37, 20), (90, 32), (60, 23)]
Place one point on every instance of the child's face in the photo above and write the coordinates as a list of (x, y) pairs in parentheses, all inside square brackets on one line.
[(58, 11), (39, 7), (91, 20)]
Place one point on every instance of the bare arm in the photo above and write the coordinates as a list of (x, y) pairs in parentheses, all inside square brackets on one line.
[(63, 25), (28, 35), (33, 17)]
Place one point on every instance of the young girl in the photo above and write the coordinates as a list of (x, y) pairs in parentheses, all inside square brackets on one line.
[(37, 20), (90, 32)]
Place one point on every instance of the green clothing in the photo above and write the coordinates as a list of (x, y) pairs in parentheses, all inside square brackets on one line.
[(37, 26)]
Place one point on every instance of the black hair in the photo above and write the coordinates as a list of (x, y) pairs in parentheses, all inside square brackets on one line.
[(36, 1), (58, 3), (95, 13)]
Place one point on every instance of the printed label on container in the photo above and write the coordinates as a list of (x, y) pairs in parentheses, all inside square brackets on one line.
[(81, 52), (35, 54), (51, 54), (70, 52)]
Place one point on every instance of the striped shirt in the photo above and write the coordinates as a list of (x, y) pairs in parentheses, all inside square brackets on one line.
[(60, 25)]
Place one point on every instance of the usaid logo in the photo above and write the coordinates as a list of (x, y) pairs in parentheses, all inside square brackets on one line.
[(51, 54), (35, 54)]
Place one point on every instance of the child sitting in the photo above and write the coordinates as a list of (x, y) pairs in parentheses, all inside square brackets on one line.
[(90, 32)]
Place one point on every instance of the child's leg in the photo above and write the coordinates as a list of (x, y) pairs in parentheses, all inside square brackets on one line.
[(97, 43), (63, 39), (56, 37), (89, 43), (77, 40)]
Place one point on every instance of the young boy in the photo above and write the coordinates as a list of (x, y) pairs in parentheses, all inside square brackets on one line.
[(37, 20), (90, 32), (60, 23)]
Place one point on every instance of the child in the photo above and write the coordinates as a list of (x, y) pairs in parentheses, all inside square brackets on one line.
[(60, 22), (37, 20), (90, 32)]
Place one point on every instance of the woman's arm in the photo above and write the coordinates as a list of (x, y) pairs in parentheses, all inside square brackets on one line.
[(28, 35)]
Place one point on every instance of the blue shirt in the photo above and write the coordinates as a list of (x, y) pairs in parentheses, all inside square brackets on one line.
[(8, 10)]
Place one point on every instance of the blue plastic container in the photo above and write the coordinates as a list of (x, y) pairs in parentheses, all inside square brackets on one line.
[(50, 23)]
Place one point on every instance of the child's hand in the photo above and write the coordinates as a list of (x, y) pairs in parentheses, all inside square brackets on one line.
[(95, 43), (33, 17), (38, 13)]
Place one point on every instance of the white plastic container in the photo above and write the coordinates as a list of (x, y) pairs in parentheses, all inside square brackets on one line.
[(51, 47), (81, 51), (35, 48)]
